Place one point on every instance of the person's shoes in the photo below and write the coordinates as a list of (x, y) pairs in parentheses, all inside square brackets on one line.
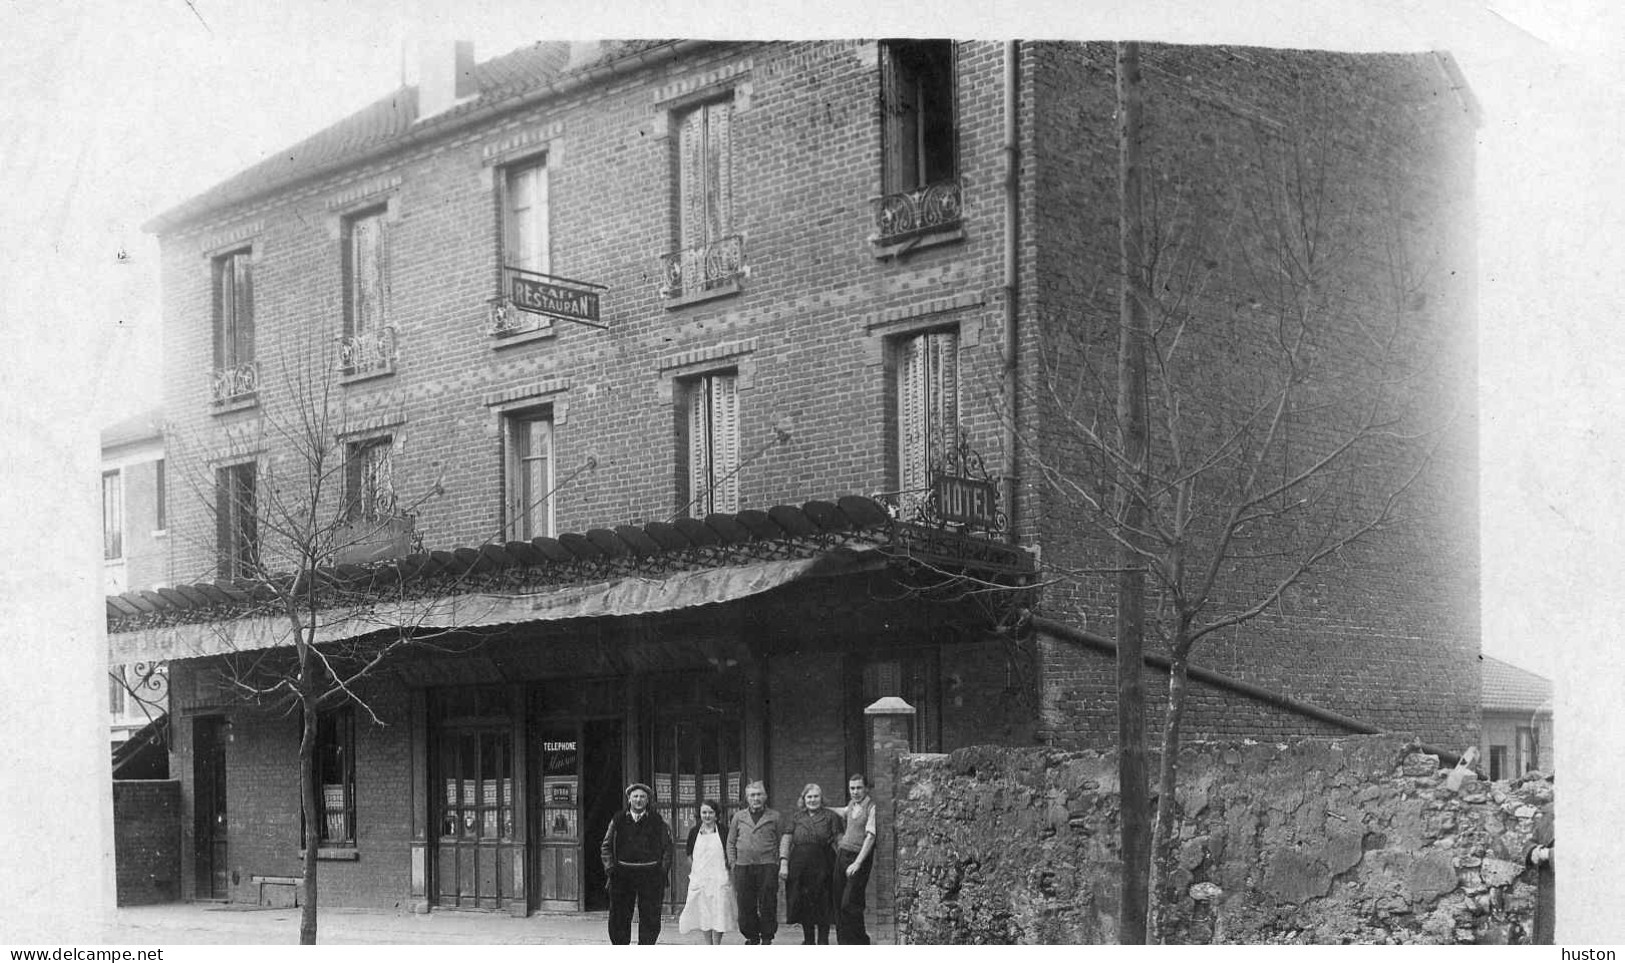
[(753, 942), (767, 942)]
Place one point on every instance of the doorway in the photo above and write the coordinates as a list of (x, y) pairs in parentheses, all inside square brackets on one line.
[(602, 770), (209, 825)]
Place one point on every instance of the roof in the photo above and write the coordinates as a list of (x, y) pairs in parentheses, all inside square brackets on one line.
[(146, 426), (673, 565), (390, 121), (1506, 687)]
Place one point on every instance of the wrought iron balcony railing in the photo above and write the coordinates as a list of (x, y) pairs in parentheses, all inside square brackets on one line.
[(703, 268), (236, 382), (909, 213), (370, 352)]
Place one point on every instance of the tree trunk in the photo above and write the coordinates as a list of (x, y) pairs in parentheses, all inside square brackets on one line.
[(1131, 418), (313, 812), (1162, 839)]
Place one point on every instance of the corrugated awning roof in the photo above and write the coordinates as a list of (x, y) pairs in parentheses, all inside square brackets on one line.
[(628, 570)]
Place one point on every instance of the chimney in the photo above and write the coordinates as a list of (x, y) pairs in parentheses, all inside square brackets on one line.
[(445, 76)]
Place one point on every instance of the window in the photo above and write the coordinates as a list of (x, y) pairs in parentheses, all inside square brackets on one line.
[(236, 529), (115, 690), (369, 486), (927, 409), (369, 343), (712, 445), (235, 375), (364, 273), (529, 474), (112, 515), (525, 237), (335, 777), (917, 102), (160, 483), (1498, 763), (710, 253)]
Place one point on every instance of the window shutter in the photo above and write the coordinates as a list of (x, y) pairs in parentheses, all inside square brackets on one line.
[(942, 402), (719, 144), (725, 441), (911, 426), (539, 478), (223, 523), (691, 180), (699, 468), (243, 308)]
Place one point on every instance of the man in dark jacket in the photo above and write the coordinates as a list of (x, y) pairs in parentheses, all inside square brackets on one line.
[(637, 854), (753, 852)]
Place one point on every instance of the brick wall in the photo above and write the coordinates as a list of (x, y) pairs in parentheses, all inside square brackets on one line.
[(807, 333), (147, 840), (1358, 840), (1385, 631)]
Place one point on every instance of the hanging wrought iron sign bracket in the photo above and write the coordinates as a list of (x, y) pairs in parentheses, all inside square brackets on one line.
[(556, 297)]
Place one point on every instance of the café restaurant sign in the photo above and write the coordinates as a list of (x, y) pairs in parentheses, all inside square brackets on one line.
[(555, 297)]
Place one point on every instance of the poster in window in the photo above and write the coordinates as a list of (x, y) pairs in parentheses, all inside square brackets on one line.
[(561, 823)]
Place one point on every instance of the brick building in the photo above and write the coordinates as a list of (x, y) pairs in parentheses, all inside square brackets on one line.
[(732, 311), (135, 553)]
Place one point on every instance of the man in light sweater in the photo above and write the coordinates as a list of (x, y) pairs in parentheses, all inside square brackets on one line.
[(753, 851), (853, 860)]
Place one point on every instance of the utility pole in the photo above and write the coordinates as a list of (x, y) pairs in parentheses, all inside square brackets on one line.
[(1131, 425)]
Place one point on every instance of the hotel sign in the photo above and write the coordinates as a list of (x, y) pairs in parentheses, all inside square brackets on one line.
[(970, 502), (554, 297)]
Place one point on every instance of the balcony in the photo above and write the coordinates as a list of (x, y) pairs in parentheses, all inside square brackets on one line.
[(708, 271), (369, 354), (235, 385), (911, 215)]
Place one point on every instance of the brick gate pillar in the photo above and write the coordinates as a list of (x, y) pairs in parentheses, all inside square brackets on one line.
[(891, 728)]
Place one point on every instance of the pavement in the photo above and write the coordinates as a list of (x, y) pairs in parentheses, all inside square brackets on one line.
[(243, 924), (238, 924)]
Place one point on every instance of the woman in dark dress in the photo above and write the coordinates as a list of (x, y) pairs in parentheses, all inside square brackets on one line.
[(807, 865)]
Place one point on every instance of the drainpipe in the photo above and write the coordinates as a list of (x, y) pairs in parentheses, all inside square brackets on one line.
[(1012, 188)]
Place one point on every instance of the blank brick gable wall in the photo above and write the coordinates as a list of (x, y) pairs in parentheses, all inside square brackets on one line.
[(1388, 632)]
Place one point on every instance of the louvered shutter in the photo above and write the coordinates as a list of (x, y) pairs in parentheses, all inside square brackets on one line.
[(942, 400), (900, 110), (699, 446), (911, 420), (365, 292), (719, 176), (725, 441), (223, 523), (243, 308), (691, 180)]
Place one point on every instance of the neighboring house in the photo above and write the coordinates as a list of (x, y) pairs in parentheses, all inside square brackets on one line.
[(1516, 731), (135, 554), (708, 348)]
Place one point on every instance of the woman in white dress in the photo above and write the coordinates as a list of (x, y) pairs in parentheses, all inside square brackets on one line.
[(710, 906)]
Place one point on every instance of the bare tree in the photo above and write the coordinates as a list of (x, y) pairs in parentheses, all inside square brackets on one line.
[(309, 543), (1287, 414)]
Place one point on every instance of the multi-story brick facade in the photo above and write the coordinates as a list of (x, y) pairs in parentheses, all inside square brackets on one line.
[(385, 238)]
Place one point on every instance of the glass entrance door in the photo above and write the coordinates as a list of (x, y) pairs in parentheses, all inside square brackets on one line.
[(698, 753), (472, 787)]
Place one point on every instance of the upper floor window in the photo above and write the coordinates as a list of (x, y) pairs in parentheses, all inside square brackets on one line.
[(112, 515), (369, 485), (525, 242), (235, 373), (710, 251), (927, 408), (919, 146), (236, 522), (529, 474), (369, 342), (712, 444)]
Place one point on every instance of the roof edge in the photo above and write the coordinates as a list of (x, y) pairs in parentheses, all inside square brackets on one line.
[(189, 212)]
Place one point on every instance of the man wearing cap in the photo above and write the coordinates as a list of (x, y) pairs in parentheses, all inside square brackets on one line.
[(637, 854)]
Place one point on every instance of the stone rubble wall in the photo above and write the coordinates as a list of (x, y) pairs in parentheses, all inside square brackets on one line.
[(1351, 840)]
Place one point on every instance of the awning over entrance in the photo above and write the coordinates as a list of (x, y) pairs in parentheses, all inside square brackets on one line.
[(625, 571), (628, 595)]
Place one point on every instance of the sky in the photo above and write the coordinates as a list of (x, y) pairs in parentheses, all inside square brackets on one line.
[(112, 112)]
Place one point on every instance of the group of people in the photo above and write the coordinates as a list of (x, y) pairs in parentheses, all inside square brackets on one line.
[(821, 853)]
